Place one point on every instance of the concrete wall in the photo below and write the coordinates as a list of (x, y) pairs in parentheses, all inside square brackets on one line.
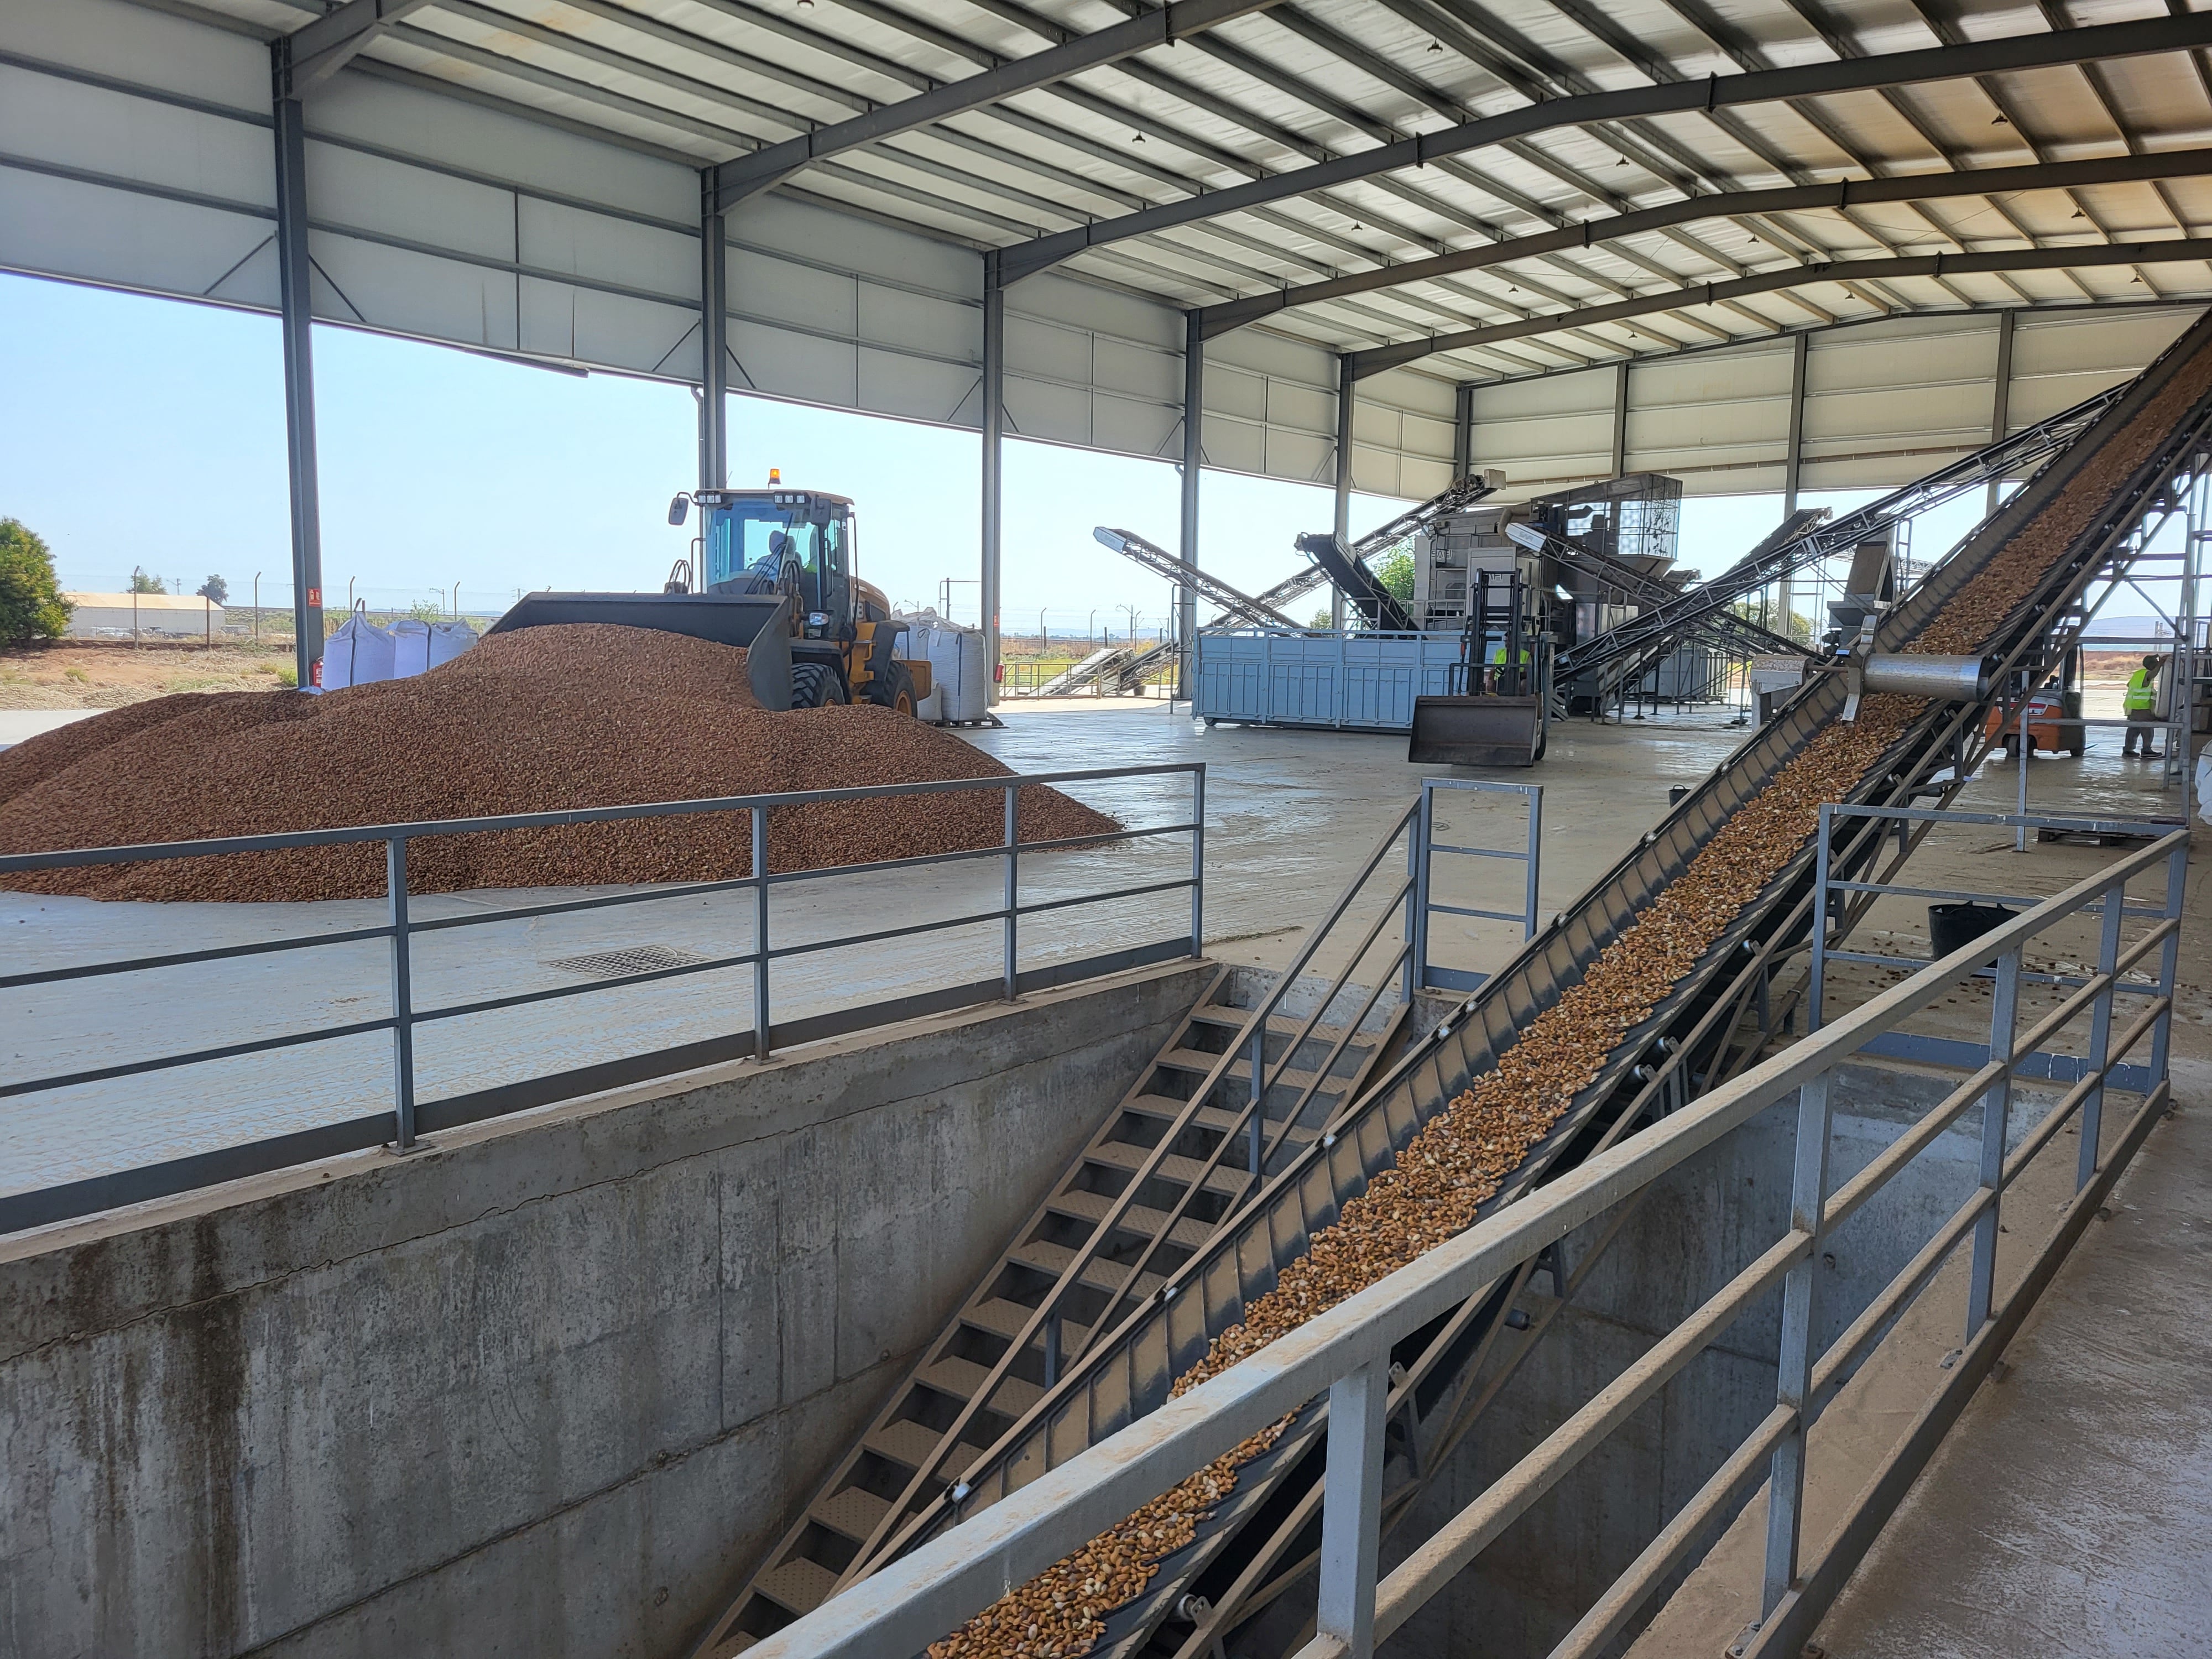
[(1696, 1229), (545, 1390)]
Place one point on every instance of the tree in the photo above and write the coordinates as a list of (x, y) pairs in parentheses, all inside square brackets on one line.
[(1394, 570), (1323, 619), (214, 588), (142, 583), (31, 603)]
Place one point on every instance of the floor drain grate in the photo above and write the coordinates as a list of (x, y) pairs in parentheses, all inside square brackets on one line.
[(637, 959)]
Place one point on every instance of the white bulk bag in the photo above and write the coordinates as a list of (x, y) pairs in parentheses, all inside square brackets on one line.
[(358, 653), (411, 648), (449, 640), (957, 665)]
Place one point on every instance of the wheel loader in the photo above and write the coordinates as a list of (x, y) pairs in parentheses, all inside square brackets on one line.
[(772, 571)]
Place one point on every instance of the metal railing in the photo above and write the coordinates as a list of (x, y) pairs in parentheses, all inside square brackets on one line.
[(1428, 975), (1346, 1353), (409, 1118)]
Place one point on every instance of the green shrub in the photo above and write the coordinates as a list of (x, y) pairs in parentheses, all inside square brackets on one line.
[(287, 675), (31, 603)]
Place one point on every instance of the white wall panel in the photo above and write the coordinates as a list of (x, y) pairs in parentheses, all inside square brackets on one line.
[(1886, 402), (57, 227), (1726, 413), (1559, 427), (2059, 360)]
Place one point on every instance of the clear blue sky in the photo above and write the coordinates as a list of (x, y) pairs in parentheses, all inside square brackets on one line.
[(138, 431)]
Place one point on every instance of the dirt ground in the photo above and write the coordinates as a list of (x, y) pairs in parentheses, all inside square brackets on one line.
[(109, 673)]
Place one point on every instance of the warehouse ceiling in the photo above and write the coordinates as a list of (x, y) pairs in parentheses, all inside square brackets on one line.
[(1491, 188)]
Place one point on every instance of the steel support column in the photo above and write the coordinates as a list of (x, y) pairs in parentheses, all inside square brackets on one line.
[(2001, 397), (713, 340), (1463, 430), (1346, 393), (1793, 463), (1621, 418), (995, 425), (1193, 431), (296, 302)]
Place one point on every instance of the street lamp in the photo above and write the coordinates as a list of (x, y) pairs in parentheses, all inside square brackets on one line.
[(1091, 632)]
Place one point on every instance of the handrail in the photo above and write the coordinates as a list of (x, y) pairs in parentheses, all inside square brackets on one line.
[(404, 1119), (912, 1601)]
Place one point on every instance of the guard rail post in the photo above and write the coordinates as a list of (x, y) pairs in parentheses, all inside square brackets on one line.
[(1528, 892), (1414, 975), (1996, 1110), (1013, 899), (403, 994), (1198, 862), (1800, 1321), (1352, 1510), (1816, 986), (760, 935), (2169, 961), (2100, 1033), (1255, 1129)]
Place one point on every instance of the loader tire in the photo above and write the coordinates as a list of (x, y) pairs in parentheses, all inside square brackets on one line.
[(894, 689), (813, 685)]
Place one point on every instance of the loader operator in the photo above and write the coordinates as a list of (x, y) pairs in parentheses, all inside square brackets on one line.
[(2140, 703)]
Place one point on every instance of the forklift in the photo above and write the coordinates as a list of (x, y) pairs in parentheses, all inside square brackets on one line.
[(1499, 711)]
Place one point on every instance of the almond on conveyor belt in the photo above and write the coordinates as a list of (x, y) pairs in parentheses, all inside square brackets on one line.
[(1463, 1155)]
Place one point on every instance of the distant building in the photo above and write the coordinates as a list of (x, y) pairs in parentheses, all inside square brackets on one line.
[(145, 615)]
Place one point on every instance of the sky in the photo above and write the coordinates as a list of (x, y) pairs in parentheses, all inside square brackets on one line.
[(145, 432)]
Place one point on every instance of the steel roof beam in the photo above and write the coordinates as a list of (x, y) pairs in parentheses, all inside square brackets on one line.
[(749, 175), (314, 52), (1850, 192), (1973, 59), (1361, 364)]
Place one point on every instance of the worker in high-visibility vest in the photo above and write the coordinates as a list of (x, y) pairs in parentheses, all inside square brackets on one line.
[(2140, 703), (1497, 669)]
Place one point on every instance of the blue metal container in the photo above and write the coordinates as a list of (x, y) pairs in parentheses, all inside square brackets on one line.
[(1348, 682)]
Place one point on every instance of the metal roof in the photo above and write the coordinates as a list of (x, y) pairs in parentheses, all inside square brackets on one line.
[(1527, 185)]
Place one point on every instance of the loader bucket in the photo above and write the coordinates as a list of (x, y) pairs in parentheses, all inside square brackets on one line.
[(758, 624), (1476, 731)]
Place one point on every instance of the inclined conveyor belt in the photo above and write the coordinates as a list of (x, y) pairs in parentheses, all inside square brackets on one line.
[(1131, 1373)]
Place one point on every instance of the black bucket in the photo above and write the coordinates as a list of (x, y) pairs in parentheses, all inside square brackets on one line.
[(1954, 926), (1675, 792)]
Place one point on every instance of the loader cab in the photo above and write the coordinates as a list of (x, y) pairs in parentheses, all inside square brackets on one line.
[(777, 540)]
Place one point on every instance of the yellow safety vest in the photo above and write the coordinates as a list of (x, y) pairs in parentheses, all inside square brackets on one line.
[(2142, 694), (1497, 657)]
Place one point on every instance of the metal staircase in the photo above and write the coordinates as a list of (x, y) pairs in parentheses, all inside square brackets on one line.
[(1184, 1149)]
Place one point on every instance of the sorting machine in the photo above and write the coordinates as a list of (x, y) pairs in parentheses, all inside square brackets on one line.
[(1231, 1584)]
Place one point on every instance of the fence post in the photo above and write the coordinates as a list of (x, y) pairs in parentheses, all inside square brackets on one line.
[(2169, 959), (1997, 1109), (403, 994), (1198, 862), (760, 935), (2100, 1036), (1816, 987), (1793, 1388), (1013, 898), (1352, 1510)]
